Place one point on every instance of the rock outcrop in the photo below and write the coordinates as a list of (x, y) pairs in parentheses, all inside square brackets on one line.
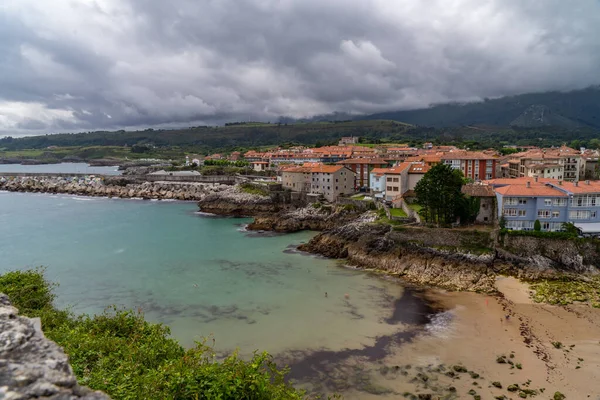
[(305, 218), (31, 366), (233, 201), (375, 246), (452, 259)]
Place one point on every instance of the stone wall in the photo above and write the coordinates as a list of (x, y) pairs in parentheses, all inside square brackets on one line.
[(31, 366)]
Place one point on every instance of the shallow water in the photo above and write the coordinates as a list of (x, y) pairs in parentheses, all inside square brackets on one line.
[(79, 168), (201, 275)]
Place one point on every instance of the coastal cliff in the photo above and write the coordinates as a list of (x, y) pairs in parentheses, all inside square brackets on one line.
[(31, 366), (451, 259)]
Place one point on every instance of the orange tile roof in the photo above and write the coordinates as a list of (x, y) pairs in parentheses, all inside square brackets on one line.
[(419, 169), (468, 155), (533, 190), (363, 161), (316, 168), (379, 171), (582, 187), (518, 181), (327, 169)]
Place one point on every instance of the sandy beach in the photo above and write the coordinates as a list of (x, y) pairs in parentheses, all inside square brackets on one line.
[(479, 334)]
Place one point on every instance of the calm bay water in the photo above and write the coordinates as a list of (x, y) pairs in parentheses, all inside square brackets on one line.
[(200, 275), (79, 168)]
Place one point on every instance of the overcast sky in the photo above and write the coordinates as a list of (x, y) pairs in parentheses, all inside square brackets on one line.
[(69, 65)]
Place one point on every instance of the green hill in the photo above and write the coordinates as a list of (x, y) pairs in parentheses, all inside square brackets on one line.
[(229, 136), (580, 108)]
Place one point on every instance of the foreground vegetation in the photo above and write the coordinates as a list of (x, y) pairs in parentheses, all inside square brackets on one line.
[(127, 357)]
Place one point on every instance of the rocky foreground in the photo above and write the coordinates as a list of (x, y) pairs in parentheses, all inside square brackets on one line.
[(111, 187), (31, 366)]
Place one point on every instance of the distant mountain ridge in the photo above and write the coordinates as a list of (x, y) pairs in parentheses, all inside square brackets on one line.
[(578, 108)]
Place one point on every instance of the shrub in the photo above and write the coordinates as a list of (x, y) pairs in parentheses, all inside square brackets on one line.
[(537, 226), (253, 189), (127, 357)]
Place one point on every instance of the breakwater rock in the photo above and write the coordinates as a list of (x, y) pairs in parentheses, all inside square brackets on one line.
[(110, 187), (31, 366), (305, 218)]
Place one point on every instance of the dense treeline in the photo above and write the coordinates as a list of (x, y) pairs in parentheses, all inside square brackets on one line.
[(126, 357), (247, 136)]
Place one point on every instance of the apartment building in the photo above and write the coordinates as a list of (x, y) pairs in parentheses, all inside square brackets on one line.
[(362, 168), (390, 183), (522, 201), (330, 181), (563, 163), (476, 165)]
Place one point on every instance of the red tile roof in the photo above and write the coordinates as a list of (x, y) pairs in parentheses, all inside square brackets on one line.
[(533, 190), (582, 187), (363, 161)]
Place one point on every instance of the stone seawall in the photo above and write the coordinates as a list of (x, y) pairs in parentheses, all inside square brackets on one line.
[(31, 366), (110, 187)]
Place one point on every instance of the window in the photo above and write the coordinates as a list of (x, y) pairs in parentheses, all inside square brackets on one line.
[(543, 214), (510, 212), (389, 179), (389, 188), (593, 214), (547, 202), (511, 201), (395, 189), (560, 202), (522, 201), (522, 213), (579, 214), (396, 180), (555, 214)]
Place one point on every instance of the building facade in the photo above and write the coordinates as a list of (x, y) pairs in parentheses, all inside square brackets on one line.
[(474, 165), (362, 168)]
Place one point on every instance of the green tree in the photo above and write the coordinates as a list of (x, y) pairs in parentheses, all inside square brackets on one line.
[(594, 143), (537, 226), (438, 192)]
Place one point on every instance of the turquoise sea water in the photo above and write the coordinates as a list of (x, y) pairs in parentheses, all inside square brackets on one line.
[(200, 275), (80, 168)]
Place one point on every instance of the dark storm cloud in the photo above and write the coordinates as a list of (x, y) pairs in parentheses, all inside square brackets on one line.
[(71, 65)]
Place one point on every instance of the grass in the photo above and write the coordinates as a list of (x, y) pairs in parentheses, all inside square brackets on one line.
[(415, 207), (398, 212), (252, 189)]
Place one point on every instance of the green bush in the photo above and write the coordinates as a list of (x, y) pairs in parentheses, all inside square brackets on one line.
[(537, 226), (127, 357)]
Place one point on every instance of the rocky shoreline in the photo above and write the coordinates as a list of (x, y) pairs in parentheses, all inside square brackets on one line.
[(450, 259)]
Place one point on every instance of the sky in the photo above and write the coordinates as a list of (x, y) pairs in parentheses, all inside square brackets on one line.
[(80, 65)]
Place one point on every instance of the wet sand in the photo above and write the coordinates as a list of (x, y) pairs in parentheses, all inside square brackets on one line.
[(455, 355)]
